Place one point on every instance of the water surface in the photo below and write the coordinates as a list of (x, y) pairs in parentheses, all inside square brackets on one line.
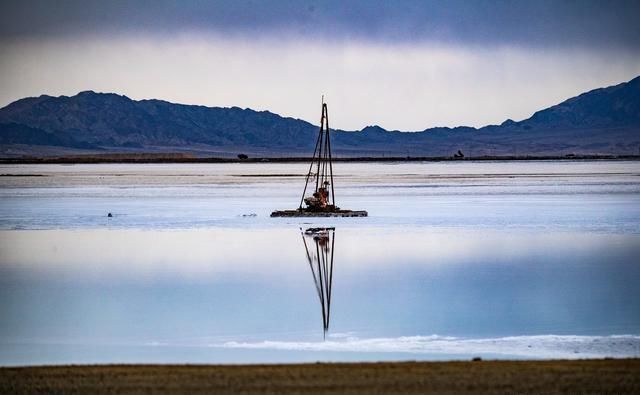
[(457, 259)]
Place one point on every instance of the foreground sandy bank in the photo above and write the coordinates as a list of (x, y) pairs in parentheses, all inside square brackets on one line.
[(584, 376)]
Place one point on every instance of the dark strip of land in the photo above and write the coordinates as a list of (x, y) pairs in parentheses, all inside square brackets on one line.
[(611, 376), (178, 158)]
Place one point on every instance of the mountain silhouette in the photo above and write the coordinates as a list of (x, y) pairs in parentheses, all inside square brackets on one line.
[(601, 121)]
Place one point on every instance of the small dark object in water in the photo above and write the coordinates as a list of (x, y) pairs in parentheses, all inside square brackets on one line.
[(109, 215)]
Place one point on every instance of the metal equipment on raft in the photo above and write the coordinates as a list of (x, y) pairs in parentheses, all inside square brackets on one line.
[(322, 202)]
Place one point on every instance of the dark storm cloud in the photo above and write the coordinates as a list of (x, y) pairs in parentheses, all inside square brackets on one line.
[(526, 23)]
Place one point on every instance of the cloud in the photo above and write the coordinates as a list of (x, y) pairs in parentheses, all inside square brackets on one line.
[(538, 23), (405, 65), (404, 87)]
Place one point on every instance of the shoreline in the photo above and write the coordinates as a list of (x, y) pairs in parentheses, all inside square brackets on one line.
[(171, 158), (492, 376)]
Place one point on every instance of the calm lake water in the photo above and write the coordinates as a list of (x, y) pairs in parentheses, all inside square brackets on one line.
[(456, 260)]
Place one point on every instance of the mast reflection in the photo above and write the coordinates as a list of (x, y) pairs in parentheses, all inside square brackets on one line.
[(318, 244)]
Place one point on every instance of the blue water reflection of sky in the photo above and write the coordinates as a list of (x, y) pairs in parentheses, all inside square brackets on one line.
[(200, 288)]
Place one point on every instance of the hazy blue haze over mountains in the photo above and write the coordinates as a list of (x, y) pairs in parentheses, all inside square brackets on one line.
[(602, 121)]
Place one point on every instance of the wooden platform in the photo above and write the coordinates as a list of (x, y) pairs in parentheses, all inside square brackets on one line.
[(308, 213)]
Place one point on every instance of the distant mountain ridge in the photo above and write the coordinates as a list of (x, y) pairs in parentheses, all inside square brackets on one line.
[(601, 121)]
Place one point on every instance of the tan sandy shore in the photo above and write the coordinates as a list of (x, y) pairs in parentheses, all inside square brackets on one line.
[(486, 377)]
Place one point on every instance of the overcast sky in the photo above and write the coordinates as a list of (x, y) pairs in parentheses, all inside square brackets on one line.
[(404, 65)]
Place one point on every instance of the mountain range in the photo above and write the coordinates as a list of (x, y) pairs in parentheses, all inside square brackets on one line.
[(601, 121)]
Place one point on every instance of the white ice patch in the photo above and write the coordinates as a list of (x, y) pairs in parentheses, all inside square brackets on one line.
[(543, 346)]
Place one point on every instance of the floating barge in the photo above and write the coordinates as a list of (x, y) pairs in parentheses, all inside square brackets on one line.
[(322, 201), (306, 213)]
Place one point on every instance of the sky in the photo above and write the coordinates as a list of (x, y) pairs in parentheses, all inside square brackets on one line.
[(403, 65)]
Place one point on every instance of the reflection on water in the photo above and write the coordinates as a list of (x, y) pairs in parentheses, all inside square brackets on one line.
[(319, 246), (70, 296)]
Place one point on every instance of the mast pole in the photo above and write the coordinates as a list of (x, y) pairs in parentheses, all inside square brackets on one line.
[(306, 183), (333, 195), (320, 139), (323, 157)]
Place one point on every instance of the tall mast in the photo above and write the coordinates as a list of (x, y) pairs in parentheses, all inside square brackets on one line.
[(315, 151), (333, 195), (322, 159), (319, 173)]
